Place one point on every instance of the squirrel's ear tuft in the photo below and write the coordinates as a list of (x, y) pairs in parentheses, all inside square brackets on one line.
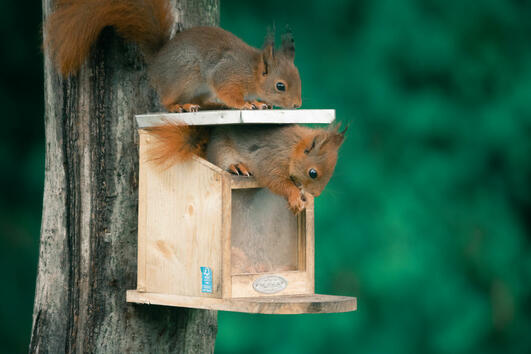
[(268, 51), (270, 37), (267, 56), (335, 137), (288, 44), (331, 139)]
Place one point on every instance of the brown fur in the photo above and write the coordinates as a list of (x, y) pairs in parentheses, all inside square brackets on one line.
[(279, 157), (176, 142), (204, 66), (209, 66), (76, 24), (317, 150)]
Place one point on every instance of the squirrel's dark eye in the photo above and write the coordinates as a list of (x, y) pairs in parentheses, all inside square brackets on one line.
[(312, 173), (281, 86)]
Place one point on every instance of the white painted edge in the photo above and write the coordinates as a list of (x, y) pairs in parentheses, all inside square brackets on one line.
[(276, 116)]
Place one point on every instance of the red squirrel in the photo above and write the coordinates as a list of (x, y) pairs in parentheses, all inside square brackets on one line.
[(199, 67), (290, 160)]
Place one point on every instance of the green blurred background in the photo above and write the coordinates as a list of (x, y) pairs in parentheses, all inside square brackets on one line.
[(428, 217)]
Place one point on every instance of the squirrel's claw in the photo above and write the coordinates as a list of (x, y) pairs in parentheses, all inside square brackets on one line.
[(175, 108), (243, 169), (239, 170), (190, 107), (260, 105), (248, 105), (234, 170)]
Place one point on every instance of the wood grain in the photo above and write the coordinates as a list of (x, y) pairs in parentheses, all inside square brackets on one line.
[(295, 304), (242, 284), (226, 217), (301, 241), (144, 140), (241, 182), (309, 218), (88, 242), (183, 228)]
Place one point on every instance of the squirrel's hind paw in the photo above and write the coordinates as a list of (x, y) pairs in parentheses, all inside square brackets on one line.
[(239, 170)]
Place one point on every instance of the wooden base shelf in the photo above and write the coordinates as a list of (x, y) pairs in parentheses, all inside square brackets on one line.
[(293, 304)]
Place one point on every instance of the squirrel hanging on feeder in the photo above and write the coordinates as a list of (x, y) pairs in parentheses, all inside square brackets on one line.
[(199, 67), (290, 160)]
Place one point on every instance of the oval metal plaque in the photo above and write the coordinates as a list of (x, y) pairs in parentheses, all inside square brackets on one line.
[(270, 284)]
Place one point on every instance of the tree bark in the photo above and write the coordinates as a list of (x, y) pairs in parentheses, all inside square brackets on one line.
[(88, 246)]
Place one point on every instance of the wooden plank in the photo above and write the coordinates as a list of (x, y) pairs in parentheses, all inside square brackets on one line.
[(209, 164), (301, 240), (237, 182), (184, 227), (310, 242), (142, 213), (275, 116), (295, 304), (289, 116), (226, 217), (297, 284), (242, 182), (190, 118)]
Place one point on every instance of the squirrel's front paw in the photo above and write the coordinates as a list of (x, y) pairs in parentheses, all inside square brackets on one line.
[(297, 202), (175, 108), (248, 105), (179, 108), (260, 105), (190, 107)]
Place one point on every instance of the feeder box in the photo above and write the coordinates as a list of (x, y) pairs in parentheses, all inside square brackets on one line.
[(211, 240)]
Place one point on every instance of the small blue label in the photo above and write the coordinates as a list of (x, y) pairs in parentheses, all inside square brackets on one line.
[(206, 280)]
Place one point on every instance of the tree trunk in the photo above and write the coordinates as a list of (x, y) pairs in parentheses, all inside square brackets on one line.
[(88, 243)]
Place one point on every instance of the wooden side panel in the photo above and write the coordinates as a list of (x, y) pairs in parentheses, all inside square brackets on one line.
[(183, 227), (226, 271), (310, 243), (301, 235), (142, 215)]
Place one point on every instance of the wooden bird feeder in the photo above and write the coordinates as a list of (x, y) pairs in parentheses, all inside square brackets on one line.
[(211, 240)]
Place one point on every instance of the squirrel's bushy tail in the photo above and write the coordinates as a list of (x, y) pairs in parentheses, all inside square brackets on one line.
[(176, 142), (75, 25)]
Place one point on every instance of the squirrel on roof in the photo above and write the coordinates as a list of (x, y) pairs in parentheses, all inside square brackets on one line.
[(205, 67)]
